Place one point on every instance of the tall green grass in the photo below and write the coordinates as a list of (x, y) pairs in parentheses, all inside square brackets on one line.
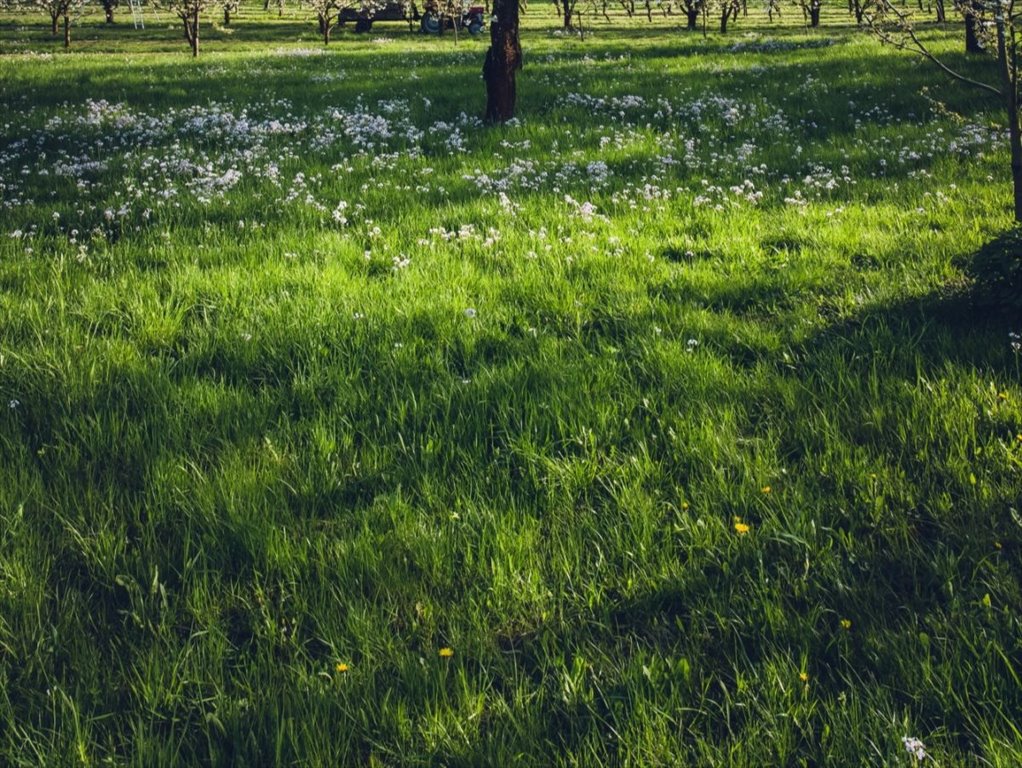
[(680, 482)]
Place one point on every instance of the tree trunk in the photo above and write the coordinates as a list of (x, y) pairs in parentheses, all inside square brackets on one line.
[(693, 18), (814, 16), (1010, 91), (67, 31), (108, 9), (567, 14), (723, 20), (191, 20), (503, 60), (227, 16), (1015, 138), (941, 15), (972, 42), (54, 21), (324, 23)]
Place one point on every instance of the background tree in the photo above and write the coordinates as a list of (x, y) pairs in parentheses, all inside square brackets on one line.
[(863, 8), (725, 10), (188, 11), (230, 7), (58, 10), (566, 10), (503, 60), (996, 20), (972, 11), (810, 11), (692, 9), (328, 13), (108, 10)]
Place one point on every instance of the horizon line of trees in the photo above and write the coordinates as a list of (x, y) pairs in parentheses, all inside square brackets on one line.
[(329, 14)]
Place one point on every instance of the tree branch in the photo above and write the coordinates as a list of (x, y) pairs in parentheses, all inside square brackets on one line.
[(917, 47)]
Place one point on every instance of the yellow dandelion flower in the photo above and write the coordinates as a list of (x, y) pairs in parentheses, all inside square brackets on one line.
[(846, 624), (684, 505), (446, 653), (803, 676), (997, 545), (742, 528), (342, 667), (766, 489)]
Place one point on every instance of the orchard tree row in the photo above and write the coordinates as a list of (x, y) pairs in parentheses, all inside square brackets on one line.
[(328, 14)]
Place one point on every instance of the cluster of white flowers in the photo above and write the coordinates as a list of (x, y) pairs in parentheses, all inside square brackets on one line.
[(914, 747), (634, 153)]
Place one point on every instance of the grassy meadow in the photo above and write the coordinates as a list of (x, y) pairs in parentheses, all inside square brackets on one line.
[(658, 427)]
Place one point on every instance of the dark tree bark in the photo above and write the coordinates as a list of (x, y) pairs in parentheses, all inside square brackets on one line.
[(941, 14), (692, 14), (67, 31), (227, 16), (108, 10), (972, 41), (191, 22), (724, 19), (503, 60), (54, 22), (1010, 90), (814, 14)]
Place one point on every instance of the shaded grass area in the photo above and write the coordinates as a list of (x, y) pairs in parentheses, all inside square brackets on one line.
[(244, 442)]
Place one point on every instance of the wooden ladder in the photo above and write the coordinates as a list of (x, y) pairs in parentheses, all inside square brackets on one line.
[(136, 14)]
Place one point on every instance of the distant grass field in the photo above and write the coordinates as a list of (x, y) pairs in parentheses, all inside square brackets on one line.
[(655, 428)]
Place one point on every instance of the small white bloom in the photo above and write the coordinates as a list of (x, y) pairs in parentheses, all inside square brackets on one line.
[(914, 747)]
